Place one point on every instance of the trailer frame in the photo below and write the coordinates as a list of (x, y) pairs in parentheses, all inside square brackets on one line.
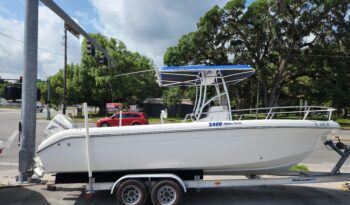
[(286, 178), (153, 181)]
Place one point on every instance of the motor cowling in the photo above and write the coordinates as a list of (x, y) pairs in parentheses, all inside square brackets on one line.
[(58, 123)]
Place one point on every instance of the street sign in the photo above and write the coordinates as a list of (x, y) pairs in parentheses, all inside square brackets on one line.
[(72, 30), (113, 107)]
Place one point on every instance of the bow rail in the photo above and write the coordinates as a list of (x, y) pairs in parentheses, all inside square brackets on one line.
[(270, 113)]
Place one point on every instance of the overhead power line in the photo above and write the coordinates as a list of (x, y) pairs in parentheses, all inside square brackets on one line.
[(136, 72), (22, 42)]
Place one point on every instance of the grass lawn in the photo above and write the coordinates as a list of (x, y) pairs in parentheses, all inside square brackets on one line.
[(10, 106), (299, 168), (344, 123), (156, 120)]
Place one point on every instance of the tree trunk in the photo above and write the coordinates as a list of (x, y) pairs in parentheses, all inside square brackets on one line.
[(273, 96), (273, 99), (102, 110), (346, 113), (238, 100)]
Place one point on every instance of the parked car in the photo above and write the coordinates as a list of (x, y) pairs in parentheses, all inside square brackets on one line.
[(128, 118)]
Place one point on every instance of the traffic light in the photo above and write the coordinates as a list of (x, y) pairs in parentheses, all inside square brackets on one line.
[(90, 49), (103, 60), (20, 79), (15, 92)]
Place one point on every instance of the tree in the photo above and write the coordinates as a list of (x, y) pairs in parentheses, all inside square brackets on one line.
[(108, 87), (271, 36), (172, 97), (98, 84)]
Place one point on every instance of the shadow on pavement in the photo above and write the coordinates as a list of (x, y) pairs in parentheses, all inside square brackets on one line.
[(101, 197), (274, 195), (21, 196), (268, 195)]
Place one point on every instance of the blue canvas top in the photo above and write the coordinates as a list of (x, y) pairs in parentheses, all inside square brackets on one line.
[(191, 75), (206, 67)]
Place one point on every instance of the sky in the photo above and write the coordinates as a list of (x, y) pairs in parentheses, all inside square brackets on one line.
[(148, 27)]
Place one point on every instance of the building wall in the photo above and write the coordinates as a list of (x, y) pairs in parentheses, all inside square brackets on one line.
[(153, 110)]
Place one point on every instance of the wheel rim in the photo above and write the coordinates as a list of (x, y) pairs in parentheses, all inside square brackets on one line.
[(131, 195), (166, 195), (104, 125)]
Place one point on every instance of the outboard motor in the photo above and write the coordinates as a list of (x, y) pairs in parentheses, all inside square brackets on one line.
[(58, 123)]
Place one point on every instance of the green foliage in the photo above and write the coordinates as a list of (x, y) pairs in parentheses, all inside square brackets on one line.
[(299, 168), (300, 49), (172, 96), (344, 123), (90, 82)]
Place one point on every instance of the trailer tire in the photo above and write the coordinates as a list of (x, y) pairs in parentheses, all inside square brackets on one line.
[(131, 192), (166, 192)]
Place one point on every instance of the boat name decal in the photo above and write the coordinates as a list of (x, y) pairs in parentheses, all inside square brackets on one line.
[(60, 124), (215, 124), (322, 124)]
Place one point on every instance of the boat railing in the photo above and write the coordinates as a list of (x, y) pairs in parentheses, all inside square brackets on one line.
[(269, 113), (287, 112)]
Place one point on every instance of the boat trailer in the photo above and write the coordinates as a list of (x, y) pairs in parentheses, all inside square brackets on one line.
[(168, 188), (152, 181)]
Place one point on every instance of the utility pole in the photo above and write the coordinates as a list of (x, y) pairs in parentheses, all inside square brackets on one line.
[(29, 88), (65, 73), (29, 91)]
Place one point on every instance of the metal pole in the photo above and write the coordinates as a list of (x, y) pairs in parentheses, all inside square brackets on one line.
[(257, 100), (48, 98), (65, 73), (257, 94), (68, 20), (88, 154), (120, 117), (29, 91)]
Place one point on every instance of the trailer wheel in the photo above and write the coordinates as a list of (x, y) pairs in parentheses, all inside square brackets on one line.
[(131, 192), (166, 192)]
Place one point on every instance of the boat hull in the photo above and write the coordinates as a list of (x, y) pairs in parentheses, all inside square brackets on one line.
[(229, 147)]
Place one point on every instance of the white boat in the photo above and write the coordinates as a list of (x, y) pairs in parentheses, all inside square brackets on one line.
[(218, 141)]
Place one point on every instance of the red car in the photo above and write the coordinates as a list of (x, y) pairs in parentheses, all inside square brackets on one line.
[(128, 118)]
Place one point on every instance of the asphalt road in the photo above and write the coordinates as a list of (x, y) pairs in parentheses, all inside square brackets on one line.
[(274, 195), (9, 119)]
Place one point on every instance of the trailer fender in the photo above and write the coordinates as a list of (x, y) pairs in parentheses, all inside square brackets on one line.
[(150, 176)]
